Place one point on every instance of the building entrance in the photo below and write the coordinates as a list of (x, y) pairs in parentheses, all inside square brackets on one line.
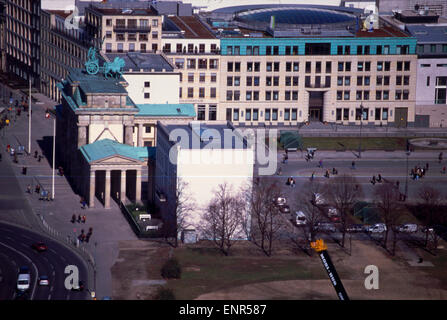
[(316, 103)]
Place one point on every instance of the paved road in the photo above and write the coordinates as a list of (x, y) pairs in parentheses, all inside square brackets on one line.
[(16, 251)]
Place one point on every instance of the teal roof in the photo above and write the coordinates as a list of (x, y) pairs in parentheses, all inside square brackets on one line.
[(167, 110), (96, 83), (106, 148)]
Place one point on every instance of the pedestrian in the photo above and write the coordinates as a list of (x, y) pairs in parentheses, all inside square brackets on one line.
[(373, 180), (279, 172), (39, 158), (443, 170), (28, 188), (312, 176), (320, 163), (35, 154), (440, 157), (426, 166), (73, 218), (24, 169), (84, 218), (334, 171), (397, 184), (326, 175), (79, 218), (379, 178), (37, 189), (353, 165), (16, 160), (293, 183)]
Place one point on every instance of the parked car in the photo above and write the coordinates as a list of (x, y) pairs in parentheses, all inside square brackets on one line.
[(427, 229), (376, 228), (408, 228), (280, 201), (284, 209), (23, 281), (39, 246), (324, 226), (355, 228), (43, 281), (300, 218)]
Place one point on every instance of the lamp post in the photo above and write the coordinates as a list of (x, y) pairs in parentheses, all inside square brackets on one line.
[(406, 176), (29, 118), (361, 126)]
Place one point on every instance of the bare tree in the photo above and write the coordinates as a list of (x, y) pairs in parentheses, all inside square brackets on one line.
[(265, 221), (430, 200), (222, 221), (308, 201), (342, 193), (387, 201)]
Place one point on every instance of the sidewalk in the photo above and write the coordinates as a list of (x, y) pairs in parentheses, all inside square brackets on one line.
[(109, 226)]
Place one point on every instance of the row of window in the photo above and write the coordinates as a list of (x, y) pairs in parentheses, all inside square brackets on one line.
[(131, 47), (132, 23), (344, 114), (142, 36), (380, 80), (254, 95), (255, 81), (202, 77), (315, 48), (202, 63), (190, 92), (191, 48), (212, 112), (380, 95)]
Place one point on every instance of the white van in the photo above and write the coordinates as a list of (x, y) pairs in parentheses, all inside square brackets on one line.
[(23, 281), (377, 228), (408, 228), (300, 218)]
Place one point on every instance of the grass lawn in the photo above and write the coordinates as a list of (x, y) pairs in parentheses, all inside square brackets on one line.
[(348, 143), (206, 270)]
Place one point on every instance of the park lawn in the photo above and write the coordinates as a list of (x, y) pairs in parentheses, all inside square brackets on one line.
[(351, 143), (438, 271), (206, 270)]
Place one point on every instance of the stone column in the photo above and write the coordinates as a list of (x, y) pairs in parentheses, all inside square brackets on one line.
[(123, 186), (128, 135), (140, 135), (82, 136), (91, 199), (138, 187), (107, 190)]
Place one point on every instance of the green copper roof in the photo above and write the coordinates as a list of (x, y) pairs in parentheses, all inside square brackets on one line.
[(106, 148), (166, 110)]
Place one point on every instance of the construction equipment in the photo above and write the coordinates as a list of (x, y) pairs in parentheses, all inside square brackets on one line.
[(320, 247)]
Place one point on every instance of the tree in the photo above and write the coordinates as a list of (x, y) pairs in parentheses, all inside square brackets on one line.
[(430, 200), (387, 201), (265, 221), (342, 193), (306, 202), (222, 221), (182, 209)]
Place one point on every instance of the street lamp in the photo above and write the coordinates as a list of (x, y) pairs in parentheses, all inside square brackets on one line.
[(48, 116), (406, 176), (29, 118), (361, 126)]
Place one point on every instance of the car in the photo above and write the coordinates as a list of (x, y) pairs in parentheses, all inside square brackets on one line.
[(23, 281), (80, 286), (376, 228), (427, 229), (300, 218), (324, 226), (355, 228), (284, 209), (408, 228), (43, 281), (39, 246), (279, 201)]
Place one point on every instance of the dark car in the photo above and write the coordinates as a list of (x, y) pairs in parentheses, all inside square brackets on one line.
[(355, 228), (40, 246), (326, 227)]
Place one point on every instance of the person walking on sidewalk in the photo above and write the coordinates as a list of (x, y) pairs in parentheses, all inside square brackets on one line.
[(440, 157), (79, 218), (320, 163), (28, 189), (353, 165), (84, 218), (73, 218)]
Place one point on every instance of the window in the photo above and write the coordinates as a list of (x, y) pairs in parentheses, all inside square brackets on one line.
[(345, 114), (237, 81), (379, 50), (120, 47), (275, 50), (288, 81), (201, 112), (180, 92), (440, 90), (398, 80), (294, 114), (147, 95), (295, 50), (201, 48), (230, 50), (237, 95), (367, 80), (286, 114), (377, 114), (229, 95), (288, 66), (386, 95), (346, 95), (295, 95), (268, 50), (308, 67), (268, 95), (147, 129), (237, 50), (267, 114), (191, 63), (108, 47), (108, 22), (399, 66), (339, 95), (249, 66), (268, 81), (249, 50), (256, 50), (190, 77), (288, 51), (347, 66), (248, 95), (407, 66), (212, 113), (295, 81), (328, 66), (203, 64), (255, 114), (339, 81), (405, 94), (360, 66), (379, 80), (237, 66), (247, 114), (256, 81), (276, 66), (406, 80), (147, 84), (275, 95), (428, 81), (338, 113), (432, 48), (444, 48), (347, 81), (366, 95), (213, 77), (257, 66), (296, 66), (379, 65), (155, 23), (236, 114), (287, 95), (201, 92), (340, 66), (212, 92), (202, 77), (178, 48), (230, 66), (249, 81), (109, 34), (154, 35), (275, 81), (256, 95), (359, 80), (318, 67), (378, 94), (386, 80), (358, 113), (385, 114), (190, 92)]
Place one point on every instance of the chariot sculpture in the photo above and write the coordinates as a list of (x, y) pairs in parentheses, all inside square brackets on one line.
[(113, 68)]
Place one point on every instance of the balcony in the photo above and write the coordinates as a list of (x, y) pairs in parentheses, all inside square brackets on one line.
[(317, 85), (131, 28)]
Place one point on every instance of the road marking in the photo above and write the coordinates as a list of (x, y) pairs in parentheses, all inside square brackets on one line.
[(30, 261)]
